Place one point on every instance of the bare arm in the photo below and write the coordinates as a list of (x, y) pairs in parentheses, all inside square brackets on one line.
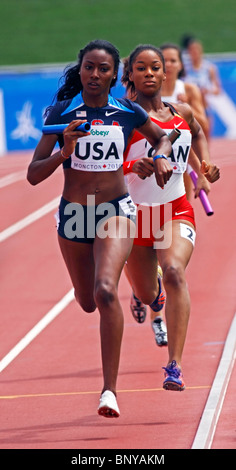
[(195, 101), (199, 144), (216, 85), (44, 163), (200, 147), (160, 142), (202, 182)]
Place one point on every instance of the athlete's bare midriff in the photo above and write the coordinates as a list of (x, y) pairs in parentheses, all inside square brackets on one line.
[(105, 186)]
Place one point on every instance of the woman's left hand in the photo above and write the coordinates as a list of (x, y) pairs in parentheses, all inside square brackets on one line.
[(163, 171)]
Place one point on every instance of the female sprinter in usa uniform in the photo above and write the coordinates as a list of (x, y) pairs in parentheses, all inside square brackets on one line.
[(96, 215), (168, 207)]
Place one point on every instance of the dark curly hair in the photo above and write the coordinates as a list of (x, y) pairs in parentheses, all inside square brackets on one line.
[(71, 83), (128, 64)]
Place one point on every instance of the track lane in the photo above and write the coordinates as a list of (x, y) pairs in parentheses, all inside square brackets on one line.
[(225, 435), (73, 365), (33, 279), (65, 358), (21, 199)]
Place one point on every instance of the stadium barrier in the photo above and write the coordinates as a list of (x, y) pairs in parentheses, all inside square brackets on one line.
[(26, 91)]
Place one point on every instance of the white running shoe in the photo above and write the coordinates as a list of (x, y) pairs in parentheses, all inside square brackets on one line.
[(160, 331), (108, 405)]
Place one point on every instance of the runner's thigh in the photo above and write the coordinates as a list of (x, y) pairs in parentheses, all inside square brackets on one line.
[(111, 252), (80, 264), (182, 243)]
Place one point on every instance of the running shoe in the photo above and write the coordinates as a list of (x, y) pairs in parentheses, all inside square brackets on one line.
[(160, 331), (108, 406), (138, 309), (173, 377), (159, 302)]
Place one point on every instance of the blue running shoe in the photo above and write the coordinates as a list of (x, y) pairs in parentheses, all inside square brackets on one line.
[(173, 378)]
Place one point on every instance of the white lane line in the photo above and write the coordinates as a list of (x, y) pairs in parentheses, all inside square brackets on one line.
[(29, 219), (12, 178), (207, 427), (37, 329)]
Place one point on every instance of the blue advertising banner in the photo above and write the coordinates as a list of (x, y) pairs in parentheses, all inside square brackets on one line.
[(24, 95)]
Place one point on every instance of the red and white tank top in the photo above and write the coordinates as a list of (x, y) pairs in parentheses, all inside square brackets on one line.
[(147, 191)]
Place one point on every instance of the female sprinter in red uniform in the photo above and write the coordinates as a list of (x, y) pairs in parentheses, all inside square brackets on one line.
[(96, 215), (175, 90), (143, 75)]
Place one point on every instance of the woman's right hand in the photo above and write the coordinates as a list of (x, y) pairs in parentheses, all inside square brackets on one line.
[(71, 136), (202, 183)]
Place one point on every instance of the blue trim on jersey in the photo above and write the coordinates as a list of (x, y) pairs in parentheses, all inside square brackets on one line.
[(116, 104), (78, 101)]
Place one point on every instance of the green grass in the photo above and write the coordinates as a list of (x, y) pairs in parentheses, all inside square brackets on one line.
[(49, 31)]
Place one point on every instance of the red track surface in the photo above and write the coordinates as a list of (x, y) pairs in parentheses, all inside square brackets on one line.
[(49, 393)]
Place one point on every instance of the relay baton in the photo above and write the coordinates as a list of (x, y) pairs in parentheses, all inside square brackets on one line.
[(202, 194), (59, 128), (174, 135)]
